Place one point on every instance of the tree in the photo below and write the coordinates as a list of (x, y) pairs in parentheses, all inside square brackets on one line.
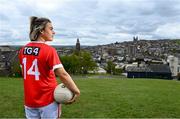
[(110, 67), (118, 71), (75, 64), (71, 63), (87, 62), (78, 63)]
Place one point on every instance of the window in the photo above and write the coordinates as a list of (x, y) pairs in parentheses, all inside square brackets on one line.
[(178, 69)]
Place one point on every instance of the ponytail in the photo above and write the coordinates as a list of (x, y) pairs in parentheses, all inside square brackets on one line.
[(32, 20)]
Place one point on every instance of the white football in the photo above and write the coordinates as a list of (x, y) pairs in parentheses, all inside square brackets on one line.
[(62, 94)]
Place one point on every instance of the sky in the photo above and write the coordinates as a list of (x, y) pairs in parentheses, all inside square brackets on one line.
[(94, 22)]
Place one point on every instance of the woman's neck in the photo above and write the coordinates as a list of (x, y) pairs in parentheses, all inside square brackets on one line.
[(41, 39)]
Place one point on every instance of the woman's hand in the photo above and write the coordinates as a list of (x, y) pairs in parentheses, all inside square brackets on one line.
[(72, 100)]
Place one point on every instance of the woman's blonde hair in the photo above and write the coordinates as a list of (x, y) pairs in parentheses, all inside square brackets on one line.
[(36, 26)]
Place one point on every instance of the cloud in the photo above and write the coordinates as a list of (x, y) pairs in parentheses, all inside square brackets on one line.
[(93, 21), (172, 32)]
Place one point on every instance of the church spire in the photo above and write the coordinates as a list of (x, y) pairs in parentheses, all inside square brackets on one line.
[(78, 45)]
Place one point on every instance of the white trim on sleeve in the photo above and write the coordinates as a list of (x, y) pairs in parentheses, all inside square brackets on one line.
[(57, 66)]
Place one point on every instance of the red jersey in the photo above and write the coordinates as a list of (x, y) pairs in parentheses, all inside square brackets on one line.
[(38, 61)]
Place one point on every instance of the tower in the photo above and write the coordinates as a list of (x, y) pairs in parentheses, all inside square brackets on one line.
[(135, 38), (78, 45)]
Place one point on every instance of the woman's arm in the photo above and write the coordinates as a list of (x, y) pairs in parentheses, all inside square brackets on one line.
[(69, 83)]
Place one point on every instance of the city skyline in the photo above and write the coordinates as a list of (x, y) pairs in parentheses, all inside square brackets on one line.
[(94, 22)]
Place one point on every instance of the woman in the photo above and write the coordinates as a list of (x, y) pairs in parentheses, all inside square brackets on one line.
[(40, 63)]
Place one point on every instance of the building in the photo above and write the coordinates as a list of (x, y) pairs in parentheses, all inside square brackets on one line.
[(78, 47), (149, 71), (135, 38), (174, 64), (131, 50), (98, 71)]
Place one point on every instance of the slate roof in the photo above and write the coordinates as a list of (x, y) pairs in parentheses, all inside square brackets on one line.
[(160, 68)]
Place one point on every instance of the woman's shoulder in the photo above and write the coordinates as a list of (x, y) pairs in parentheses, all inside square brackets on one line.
[(49, 48), (42, 45)]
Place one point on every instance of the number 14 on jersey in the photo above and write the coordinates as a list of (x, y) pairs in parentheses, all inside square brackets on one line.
[(33, 70)]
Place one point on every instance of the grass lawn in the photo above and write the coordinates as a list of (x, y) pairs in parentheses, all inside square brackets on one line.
[(105, 98)]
